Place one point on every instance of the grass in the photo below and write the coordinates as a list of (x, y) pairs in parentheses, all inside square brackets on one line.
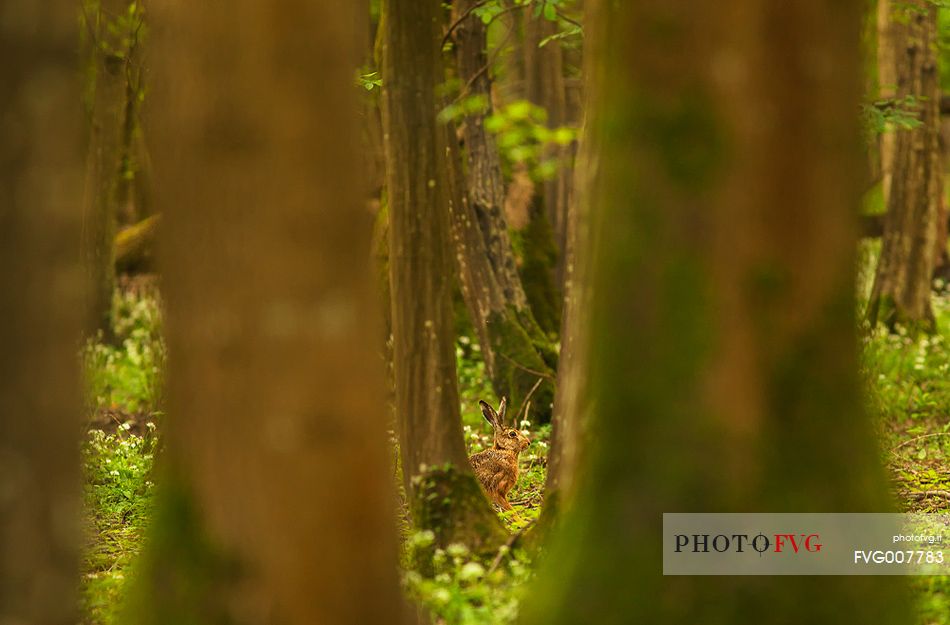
[(908, 390), (117, 496), (123, 391), (908, 393)]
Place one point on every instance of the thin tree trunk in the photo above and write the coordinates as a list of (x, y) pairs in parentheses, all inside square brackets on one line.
[(104, 167), (276, 502), (486, 187), (516, 351), (887, 61), (901, 290), (41, 289), (129, 210), (544, 86), (444, 495), (571, 410), (722, 367)]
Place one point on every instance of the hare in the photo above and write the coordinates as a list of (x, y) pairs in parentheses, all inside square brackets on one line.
[(497, 467)]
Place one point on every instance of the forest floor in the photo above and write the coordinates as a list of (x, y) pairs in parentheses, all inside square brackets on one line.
[(908, 391)]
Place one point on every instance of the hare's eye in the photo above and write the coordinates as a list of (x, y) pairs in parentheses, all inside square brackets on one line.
[(512, 434)]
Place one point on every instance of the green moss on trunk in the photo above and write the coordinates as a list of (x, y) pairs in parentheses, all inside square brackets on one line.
[(519, 366), (539, 260), (182, 578), (450, 503)]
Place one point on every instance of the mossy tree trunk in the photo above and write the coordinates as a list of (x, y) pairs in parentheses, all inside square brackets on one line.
[(444, 496), (722, 355), (517, 352), (108, 153), (571, 405), (887, 61), (276, 502), (902, 283), (485, 183), (128, 186), (515, 367), (41, 288)]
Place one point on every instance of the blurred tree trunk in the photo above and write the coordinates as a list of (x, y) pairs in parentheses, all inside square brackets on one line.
[(515, 348), (276, 502), (722, 360), (444, 495), (41, 287), (571, 409), (901, 291)]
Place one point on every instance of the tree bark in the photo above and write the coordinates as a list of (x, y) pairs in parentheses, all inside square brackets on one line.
[(105, 166), (275, 501), (571, 408), (129, 210), (887, 61), (486, 187), (722, 360), (42, 292), (515, 349), (545, 87), (444, 495), (901, 290)]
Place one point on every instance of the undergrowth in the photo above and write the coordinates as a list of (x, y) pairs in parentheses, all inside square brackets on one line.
[(907, 389)]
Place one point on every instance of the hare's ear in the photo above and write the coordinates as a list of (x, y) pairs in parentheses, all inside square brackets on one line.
[(502, 409), (489, 413)]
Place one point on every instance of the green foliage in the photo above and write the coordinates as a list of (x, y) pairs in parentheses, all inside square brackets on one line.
[(911, 376), (908, 391), (887, 114), (113, 38), (943, 47), (369, 81), (477, 104), (127, 376), (117, 496), (524, 137), (465, 590), (492, 9), (113, 35)]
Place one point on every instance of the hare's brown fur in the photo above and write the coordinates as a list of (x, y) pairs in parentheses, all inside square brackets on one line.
[(497, 467)]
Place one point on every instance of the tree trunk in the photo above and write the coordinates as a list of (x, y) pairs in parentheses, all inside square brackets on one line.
[(276, 503), (105, 165), (517, 353), (129, 210), (486, 187), (901, 291), (887, 61), (544, 86), (41, 289), (722, 355), (571, 408), (443, 493)]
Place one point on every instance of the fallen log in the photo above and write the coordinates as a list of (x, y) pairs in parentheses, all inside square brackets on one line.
[(133, 245)]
